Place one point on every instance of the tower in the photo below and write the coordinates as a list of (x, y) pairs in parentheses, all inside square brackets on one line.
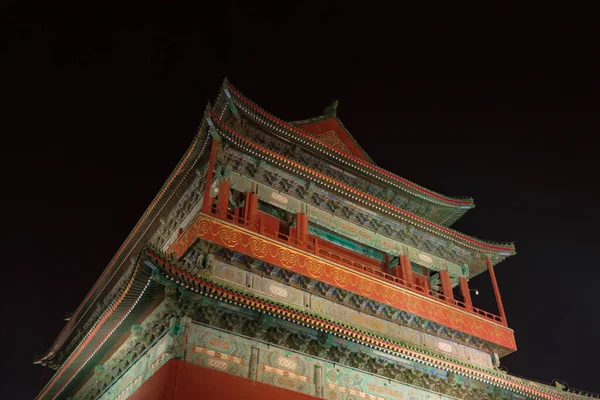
[(279, 261)]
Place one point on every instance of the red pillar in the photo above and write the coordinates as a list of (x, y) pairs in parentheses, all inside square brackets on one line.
[(446, 285), (496, 290), (223, 199), (261, 225), (246, 207), (304, 228), (397, 270), (386, 263), (299, 224), (253, 210), (207, 201), (427, 284), (406, 269), (466, 293)]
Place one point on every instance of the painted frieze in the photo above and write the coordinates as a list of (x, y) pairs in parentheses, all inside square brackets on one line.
[(226, 273), (291, 370)]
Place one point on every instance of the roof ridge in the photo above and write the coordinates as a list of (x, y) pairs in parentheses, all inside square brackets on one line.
[(456, 201)]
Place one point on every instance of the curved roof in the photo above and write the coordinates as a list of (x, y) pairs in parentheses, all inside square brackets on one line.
[(465, 240), (350, 159)]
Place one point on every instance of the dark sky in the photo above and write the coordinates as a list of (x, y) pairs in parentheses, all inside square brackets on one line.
[(98, 105)]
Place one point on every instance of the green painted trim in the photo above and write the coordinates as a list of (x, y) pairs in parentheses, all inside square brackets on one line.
[(350, 245)]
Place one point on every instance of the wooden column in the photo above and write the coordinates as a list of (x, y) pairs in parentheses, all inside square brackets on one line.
[(466, 293), (427, 286), (223, 199), (304, 227), (427, 283), (299, 226), (446, 285), (496, 290), (406, 269), (247, 206), (386, 263), (253, 210), (261, 225), (207, 201), (397, 270)]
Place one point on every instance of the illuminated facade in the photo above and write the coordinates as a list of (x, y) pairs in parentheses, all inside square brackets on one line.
[(300, 270)]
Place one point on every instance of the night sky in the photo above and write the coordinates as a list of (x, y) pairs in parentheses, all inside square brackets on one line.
[(98, 105)]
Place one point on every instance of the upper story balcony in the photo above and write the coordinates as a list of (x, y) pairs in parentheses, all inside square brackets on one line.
[(258, 234), (269, 226)]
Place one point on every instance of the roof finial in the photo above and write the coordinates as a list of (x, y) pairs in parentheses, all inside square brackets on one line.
[(332, 109)]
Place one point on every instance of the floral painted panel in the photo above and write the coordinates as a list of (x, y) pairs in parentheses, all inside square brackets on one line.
[(291, 370), (338, 312)]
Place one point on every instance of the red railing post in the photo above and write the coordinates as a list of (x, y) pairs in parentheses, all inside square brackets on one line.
[(302, 228), (397, 270), (466, 293), (427, 286), (305, 227), (253, 210), (223, 199), (299, 222), (496, 290), (446, 285), (246, 207), (406, 270), (386, 263), (426, 283)]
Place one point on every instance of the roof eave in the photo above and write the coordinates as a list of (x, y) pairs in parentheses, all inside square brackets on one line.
[(144, 227)]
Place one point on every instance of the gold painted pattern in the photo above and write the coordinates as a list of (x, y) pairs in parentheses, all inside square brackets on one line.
[(288, 374), (216, 354), (158, 360), (331, 138)]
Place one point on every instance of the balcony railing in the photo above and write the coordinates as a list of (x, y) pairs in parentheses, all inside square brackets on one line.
[(312, 246)]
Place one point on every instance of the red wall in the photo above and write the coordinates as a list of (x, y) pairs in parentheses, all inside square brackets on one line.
[(179, 380)]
